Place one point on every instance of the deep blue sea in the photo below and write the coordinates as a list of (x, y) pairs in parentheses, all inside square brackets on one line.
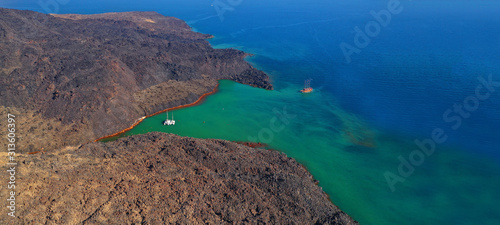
[(420, 74)]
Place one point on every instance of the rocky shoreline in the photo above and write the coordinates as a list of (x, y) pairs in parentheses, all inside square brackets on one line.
[(95, 75), (202, 97), (163, 178), (71, 79)]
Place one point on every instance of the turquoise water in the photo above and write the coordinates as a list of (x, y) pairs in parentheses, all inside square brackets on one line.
[(318, 134), (364, 114)]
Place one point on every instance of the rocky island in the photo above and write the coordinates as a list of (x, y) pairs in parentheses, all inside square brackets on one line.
[(70, 79)]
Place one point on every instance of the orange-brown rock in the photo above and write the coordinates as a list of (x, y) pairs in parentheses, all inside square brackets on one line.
[(159, 178)]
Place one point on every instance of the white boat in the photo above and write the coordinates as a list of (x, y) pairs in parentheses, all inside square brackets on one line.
[(169, 122)]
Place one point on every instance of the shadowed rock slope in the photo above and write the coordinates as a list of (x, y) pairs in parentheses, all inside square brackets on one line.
[(161, 178), (94, 75)]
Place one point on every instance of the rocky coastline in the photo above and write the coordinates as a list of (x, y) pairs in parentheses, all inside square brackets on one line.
[(89, 76), (72, 79), (159, 178)]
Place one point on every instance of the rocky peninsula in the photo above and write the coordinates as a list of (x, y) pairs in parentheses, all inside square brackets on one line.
[(71, 79), (76, 78)]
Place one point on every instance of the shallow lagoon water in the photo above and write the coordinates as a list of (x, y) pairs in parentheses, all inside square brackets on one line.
[(334, 146)]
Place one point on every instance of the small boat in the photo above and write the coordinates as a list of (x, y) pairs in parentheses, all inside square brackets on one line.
[(169, 122), (307, 87)]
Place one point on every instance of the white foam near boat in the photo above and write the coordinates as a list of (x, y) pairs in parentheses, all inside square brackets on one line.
[(169, 122)]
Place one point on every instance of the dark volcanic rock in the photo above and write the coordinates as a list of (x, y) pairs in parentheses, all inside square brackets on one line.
[(92, 72), (159, 178), (70, 79)]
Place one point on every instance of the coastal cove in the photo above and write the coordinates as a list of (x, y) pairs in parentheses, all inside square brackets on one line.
[(352, 174), (362, 121), (380, 98), (121, 133), (157, 62)]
